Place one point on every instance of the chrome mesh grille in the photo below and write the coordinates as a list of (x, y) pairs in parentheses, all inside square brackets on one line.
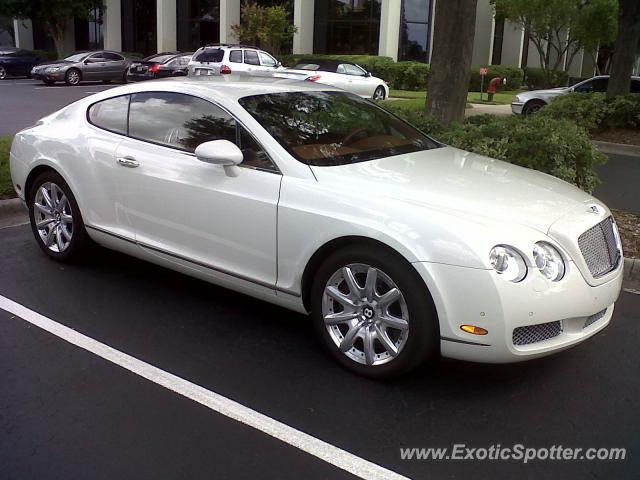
[(536, 333), (594, 318), (599, 249)]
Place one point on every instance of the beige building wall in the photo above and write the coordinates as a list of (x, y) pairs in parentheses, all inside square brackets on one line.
[(483, 39), (512, 43)]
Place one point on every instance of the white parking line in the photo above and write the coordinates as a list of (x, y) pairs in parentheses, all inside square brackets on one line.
[(324, 451)]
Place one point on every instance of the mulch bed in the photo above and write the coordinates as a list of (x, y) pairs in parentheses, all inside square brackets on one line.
[(628, 136)]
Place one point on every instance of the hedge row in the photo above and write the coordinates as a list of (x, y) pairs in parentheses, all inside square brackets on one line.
[(558, 147), (595, 112), (535, 79)]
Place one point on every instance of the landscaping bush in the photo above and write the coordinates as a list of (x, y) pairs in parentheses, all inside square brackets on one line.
[(514, 77), (555, 146), (593, 111), (133, 55), (6, 187), (534, 79)]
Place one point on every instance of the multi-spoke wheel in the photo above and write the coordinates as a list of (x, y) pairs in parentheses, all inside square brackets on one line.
[(55, 217), (72, 77), (379, 94), (373, 312)]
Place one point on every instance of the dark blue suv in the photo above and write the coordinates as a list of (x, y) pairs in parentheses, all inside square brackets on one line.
[(17, 62)]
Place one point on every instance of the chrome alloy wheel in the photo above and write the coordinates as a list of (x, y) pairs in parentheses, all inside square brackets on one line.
[(73, 77), (53, 217), (378, 94), (365, 314), (3, 73)]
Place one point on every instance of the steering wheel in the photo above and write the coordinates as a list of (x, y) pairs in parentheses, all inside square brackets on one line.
[(353, 134)]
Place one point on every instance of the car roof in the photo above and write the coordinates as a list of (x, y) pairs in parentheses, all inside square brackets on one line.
[(324, 63), (218, 88)]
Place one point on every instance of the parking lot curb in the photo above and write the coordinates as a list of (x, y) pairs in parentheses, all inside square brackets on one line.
[(617, 148), (11, 206), (632, 269)]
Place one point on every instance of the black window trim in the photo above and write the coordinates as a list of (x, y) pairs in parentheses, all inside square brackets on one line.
[(276, 169)]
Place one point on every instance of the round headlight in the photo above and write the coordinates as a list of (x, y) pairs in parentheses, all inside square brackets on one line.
[(508, 263), (549, 261)]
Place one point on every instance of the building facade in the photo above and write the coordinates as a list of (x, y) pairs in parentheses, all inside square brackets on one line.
[(400, 29)]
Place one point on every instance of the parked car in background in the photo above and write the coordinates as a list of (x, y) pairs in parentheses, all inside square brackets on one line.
[(225, 59), (160, 65), (527, 103), (101, 65), (337, 73), (320, 201), (17, 62)]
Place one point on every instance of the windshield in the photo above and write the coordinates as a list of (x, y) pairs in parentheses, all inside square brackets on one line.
[(76, 57), (333, 128), (211, 55)]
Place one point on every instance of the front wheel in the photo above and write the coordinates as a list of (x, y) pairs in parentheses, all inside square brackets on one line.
[(55, 218), (379, 93), (532, 107), (373, 312), (72, 77)]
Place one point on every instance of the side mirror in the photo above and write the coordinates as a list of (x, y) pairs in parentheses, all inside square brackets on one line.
[(221, 152), (278, 64), (367, 74)]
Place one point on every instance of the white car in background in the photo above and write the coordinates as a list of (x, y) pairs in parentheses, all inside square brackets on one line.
[(223, 59), (337, 73), (322, 202), (527, 103)]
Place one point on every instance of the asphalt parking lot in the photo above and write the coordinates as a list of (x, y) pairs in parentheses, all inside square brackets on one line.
[(66, 412)]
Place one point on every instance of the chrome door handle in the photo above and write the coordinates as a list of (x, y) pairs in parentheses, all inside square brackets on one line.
[(128, 162)]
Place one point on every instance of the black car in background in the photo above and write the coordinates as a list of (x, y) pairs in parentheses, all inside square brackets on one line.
[(16, 62), (160, 65)]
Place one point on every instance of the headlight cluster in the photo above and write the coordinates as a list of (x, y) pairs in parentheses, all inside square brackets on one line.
[(53, 69), (510, 263), (518, 99)]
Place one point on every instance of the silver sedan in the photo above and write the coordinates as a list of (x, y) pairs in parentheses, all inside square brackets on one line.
[(90, 66)]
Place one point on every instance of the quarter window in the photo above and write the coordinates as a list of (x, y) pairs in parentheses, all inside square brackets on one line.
[(110, 114), (235, 56), (251, 57), (178, 120), (111, 57)]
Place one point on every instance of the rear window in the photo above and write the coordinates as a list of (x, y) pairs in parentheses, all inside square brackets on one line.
[(159, 58), (206, 56), (307, 66), (110, 114)]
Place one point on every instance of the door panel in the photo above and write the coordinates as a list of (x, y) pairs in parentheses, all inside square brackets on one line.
[(182, 206)]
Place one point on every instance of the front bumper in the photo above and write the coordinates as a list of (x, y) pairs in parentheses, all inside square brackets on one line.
[(49, 77), (516, 107), (480, 297)]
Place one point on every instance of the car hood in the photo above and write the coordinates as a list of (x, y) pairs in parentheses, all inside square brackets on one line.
[(549, 91), (56, 63), (460, 183)]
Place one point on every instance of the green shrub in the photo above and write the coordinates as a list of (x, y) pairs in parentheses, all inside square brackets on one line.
[(555, 146), (593, 111), (534, 79), (514, 77), (133, 55), (6, 187)]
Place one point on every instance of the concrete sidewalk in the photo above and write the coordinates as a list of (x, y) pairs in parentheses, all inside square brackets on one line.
[(12, 212), (480, 109)]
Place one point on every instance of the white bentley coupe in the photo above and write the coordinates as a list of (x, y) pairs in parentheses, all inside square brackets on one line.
[(317, 200)]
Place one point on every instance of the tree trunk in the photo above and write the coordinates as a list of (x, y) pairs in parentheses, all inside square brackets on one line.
[(57, 31), (626, 47), (451, 60)]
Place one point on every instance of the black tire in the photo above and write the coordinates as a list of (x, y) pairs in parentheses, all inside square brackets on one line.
[(532, 107), (3, 72), (73, 77), (48, 82), (423, 340), (79, 238), (379, 93)]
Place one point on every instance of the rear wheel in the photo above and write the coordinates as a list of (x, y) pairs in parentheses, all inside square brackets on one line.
[(379, 94), (373, 313), (72, 77), (532, 106), (55, 218)]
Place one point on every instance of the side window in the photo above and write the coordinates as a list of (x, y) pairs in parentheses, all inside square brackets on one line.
[(177, 120), (251, 57), (235, 56), (110, 114), (184, 61), (353, 70), (254, 155), (266, 60), (112, 57), (341, 69), (98, 57)]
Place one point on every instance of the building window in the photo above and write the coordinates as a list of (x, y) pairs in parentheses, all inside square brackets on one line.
[(139, 26), (498, 35), (347, 27), (415, 30), (198, 23)]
